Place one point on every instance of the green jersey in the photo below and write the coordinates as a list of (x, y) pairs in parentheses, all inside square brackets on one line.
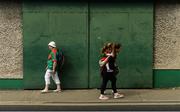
[(52, 58)]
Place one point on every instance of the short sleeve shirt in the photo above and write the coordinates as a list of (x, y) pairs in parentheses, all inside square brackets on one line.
[(52, 58)]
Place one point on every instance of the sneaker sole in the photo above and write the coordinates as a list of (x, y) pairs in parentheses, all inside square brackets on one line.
[(57, 91), (118, 97), (45, 92)]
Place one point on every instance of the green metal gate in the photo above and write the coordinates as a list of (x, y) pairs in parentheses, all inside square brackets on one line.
[(66, 24), (132, 26), (81, 30)]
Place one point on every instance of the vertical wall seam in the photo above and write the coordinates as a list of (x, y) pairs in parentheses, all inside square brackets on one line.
[(153, 44), (88, 29)]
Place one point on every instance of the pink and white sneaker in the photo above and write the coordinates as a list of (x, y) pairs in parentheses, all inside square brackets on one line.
[(117, 95), (103, 97)]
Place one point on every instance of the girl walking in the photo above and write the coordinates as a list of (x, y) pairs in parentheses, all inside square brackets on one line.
[(107, 64)]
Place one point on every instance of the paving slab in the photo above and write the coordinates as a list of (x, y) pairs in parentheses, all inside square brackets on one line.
[(135, 99), (134, 96)]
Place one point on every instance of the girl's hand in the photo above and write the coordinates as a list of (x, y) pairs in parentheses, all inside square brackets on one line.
[(54, 72)]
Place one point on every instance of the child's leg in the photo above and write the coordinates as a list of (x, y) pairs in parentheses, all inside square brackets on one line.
[(107, 66), (57, 81), (58, 87), (108, 69), (47, 80)]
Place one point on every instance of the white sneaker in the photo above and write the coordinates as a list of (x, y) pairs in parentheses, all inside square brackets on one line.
[(57, 90), (103, 97), (117, 95), (44, 91)]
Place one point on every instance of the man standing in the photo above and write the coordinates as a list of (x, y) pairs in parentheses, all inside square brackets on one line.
[(51, 70)]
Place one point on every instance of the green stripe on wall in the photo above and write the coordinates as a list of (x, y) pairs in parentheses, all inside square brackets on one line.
[(164, 78), (11, 83)]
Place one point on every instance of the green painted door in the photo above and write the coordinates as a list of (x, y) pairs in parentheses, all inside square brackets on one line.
[(35, 33), (81, 35), (69, 30), (130, 24), (66, 24)]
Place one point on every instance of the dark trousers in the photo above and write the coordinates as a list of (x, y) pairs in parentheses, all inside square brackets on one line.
[(106, 76)]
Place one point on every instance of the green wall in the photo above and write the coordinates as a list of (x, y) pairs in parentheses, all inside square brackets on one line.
[(43, 21), (130, 24), (166, 78), (81, 29), (86, 31), (64, 23), (161, 79), (11, 84)]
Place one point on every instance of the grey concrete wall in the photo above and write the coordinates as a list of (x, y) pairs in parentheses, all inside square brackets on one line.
[(11, 54), (167, 35)]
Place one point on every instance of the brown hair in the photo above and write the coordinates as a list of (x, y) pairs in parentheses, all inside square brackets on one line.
[(117, 45), (103, 49), (106, 46), (109, 45)]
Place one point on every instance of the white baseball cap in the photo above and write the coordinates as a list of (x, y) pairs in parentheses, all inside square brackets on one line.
[(52, 44)]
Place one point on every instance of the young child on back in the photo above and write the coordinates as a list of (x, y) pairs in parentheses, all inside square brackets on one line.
[(107, 53)]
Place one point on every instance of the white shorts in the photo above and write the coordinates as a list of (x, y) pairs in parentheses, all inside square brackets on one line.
[(48, 74)]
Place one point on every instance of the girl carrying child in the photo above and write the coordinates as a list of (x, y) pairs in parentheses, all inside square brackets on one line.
[(107, 64)]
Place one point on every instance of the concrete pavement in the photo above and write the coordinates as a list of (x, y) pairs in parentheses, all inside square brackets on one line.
[(135, 99)]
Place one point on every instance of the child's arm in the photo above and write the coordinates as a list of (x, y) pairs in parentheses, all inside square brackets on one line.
[(103, 62), (109, 54), (113, 50), (54, 67)]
